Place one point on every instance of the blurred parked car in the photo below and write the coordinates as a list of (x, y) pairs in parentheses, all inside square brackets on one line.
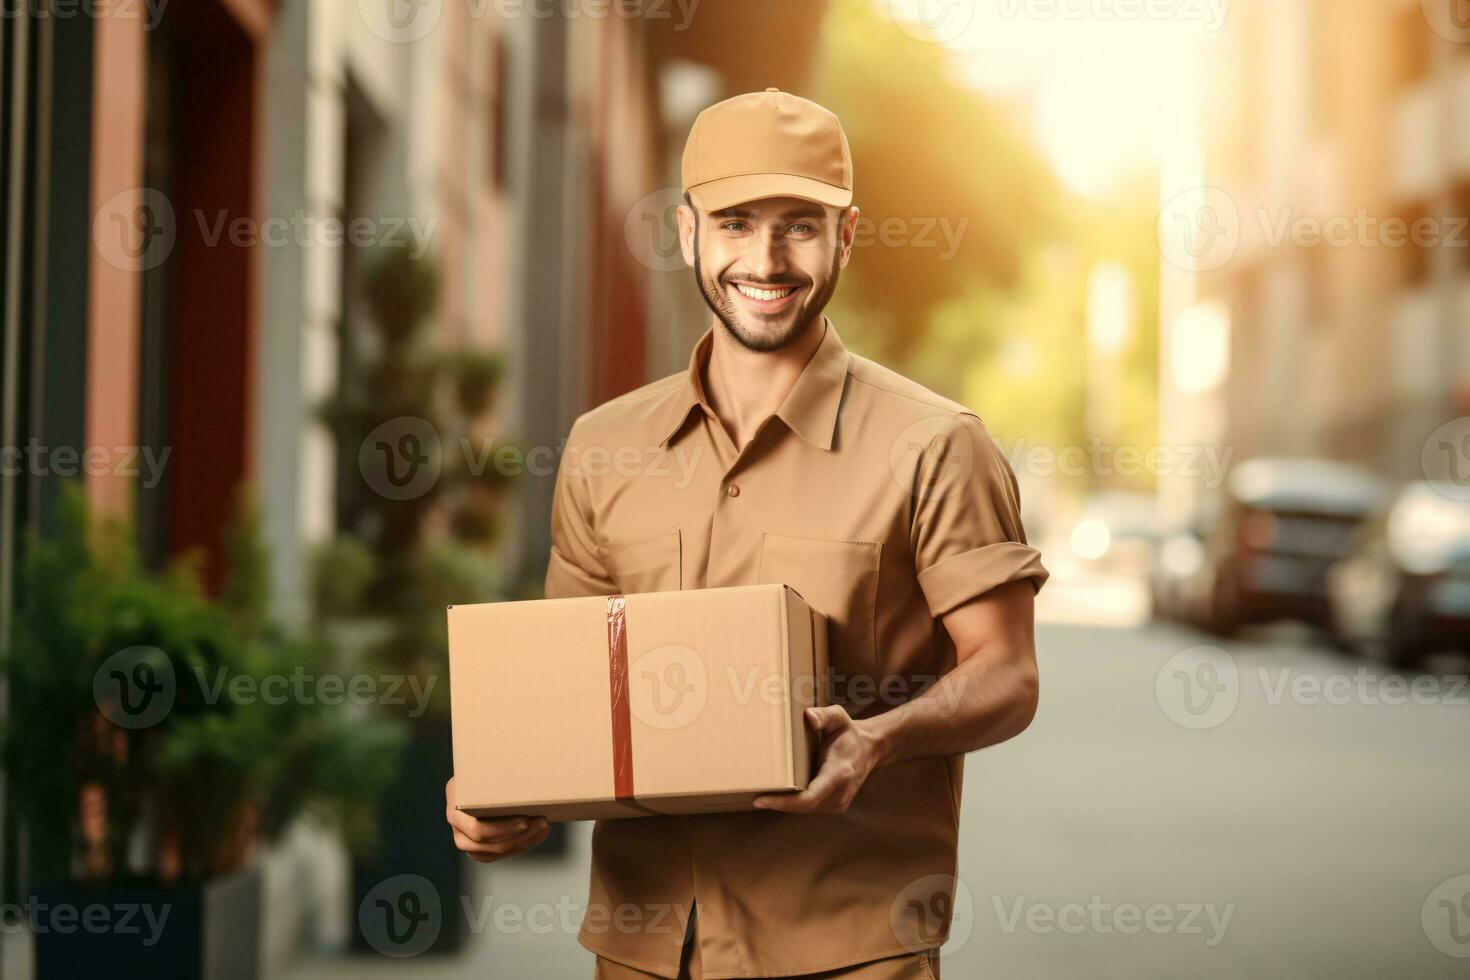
[(1404, 592), (1181, 584), (1285, 522)]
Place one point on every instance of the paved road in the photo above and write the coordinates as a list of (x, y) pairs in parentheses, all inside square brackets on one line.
[(1268, 810)]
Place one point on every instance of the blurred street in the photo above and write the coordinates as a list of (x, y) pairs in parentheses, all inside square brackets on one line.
[(1298, 837), (1325, 825)]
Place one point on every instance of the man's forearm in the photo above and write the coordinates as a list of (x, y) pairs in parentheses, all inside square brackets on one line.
[(988, 698)]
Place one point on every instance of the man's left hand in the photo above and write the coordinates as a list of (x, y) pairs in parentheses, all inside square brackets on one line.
[(848, 756)]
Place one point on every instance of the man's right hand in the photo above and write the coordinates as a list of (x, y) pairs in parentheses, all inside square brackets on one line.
[(492, 840)]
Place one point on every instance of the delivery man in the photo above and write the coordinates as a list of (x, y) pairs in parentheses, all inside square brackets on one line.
[(779, 456)]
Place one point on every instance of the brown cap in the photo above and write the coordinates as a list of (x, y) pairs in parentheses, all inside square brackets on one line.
[(767, 144)]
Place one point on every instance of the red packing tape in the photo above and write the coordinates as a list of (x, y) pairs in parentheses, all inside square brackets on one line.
[(622, 724)]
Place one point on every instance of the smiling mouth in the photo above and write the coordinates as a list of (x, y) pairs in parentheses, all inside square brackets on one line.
[(765, 296), (765, 299)]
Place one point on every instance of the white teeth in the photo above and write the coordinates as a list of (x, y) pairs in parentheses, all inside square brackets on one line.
[(765, 295)]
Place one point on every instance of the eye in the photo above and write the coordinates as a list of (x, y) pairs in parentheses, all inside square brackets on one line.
[(735, 225)]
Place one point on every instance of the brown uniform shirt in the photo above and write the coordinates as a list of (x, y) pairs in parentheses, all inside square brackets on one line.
[(885, 505)]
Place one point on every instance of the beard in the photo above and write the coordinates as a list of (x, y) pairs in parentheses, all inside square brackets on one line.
[(816, 296)]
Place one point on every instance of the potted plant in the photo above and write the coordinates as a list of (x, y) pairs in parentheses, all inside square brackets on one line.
[(418, 502), (147, 765)]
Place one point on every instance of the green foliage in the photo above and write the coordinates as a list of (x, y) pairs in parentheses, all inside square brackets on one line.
[(1020, 357), (929, 154), (1001, 323), (403, 290), (444, 572), (477, 375), (342, 570), (404, 560), (219, 769), (246, 591)]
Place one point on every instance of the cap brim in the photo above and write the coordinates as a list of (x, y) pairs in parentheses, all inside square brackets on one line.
[(715, 195)]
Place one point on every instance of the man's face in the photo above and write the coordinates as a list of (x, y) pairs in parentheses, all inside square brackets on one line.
[(767, 268)]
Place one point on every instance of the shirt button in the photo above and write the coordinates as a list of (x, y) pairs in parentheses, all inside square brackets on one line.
[(733, 490)]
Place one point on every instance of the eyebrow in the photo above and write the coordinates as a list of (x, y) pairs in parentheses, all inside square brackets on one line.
[(807, 212)]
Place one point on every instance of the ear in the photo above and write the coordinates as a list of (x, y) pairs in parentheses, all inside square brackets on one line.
[(847, 223), (688, 227)]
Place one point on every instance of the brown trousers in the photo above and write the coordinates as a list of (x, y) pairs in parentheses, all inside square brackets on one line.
[(910, 966), (907, 966)]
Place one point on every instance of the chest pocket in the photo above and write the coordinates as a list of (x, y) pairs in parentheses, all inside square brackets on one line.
[(646, 564), (840, 580)]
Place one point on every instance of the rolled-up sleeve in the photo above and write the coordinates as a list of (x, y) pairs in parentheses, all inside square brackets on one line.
[(574, 568), (966, 533)]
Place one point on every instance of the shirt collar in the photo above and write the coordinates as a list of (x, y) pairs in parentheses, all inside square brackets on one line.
[(810, 408)]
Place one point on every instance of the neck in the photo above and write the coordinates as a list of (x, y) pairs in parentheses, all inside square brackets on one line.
[(745, 387)]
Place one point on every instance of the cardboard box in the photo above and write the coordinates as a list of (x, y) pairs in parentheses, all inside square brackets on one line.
[(625, 706)]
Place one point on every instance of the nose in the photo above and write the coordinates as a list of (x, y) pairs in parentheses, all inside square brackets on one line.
[(766, 255)]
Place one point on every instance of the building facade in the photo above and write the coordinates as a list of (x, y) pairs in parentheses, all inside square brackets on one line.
[(172, 284), (1340, 133)]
